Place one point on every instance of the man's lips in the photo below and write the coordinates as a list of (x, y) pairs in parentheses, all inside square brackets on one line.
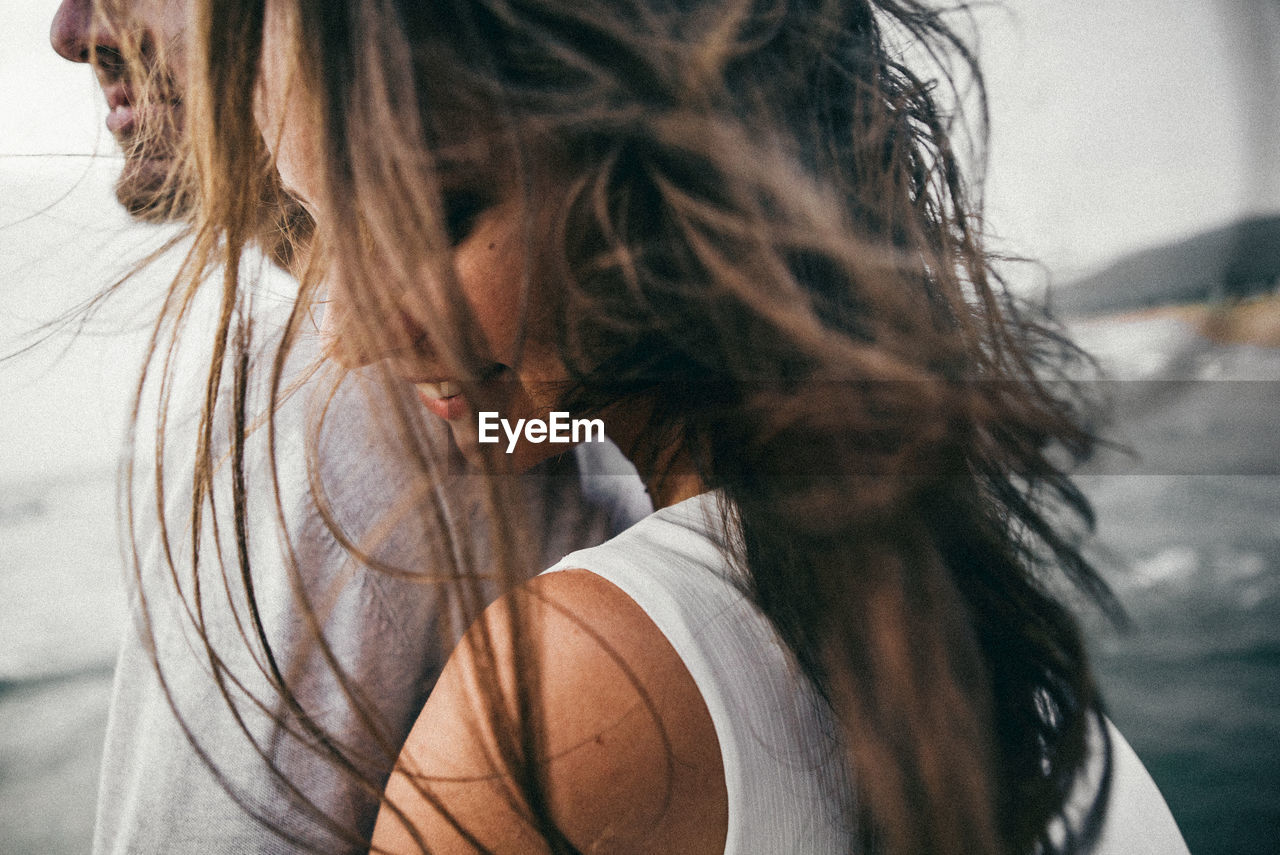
[(120, 118), (120, 121), (124, 110)]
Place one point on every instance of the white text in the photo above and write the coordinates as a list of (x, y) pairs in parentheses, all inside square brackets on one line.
[(558, 428)]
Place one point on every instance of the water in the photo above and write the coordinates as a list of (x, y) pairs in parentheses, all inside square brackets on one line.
[(1189, 535), (1195, 684)]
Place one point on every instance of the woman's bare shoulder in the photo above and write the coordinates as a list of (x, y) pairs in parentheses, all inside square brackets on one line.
[(629, 751)]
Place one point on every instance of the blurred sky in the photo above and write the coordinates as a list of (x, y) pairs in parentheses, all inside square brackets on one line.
[(63, 408), (1115, 125)]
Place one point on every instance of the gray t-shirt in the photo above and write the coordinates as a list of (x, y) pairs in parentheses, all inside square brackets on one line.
[(388, 635)]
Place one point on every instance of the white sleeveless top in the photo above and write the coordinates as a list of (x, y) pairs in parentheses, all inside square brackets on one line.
[(787, 786)]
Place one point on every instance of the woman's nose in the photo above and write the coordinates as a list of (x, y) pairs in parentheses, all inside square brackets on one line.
[(73, 32), (345, 341), (337, 337), (385, 333)]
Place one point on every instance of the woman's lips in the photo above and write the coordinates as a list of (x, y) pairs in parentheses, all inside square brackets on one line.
[(443, 399)]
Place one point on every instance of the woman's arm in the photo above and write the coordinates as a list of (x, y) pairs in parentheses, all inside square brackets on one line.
[(632, 763)]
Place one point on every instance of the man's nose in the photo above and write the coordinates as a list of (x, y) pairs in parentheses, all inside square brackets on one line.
[(73, 32)]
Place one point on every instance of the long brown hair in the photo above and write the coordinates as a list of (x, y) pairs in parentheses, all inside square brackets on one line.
[(760, 228)]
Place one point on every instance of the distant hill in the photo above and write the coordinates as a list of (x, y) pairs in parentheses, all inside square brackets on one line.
[(1238, 260)]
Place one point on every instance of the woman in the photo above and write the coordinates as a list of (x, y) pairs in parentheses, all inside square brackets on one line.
[(737, 234)]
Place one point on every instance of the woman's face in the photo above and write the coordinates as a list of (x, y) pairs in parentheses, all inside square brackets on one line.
[(491, 259)]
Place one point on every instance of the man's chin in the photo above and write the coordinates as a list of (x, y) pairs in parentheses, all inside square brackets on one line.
[(150, 190)]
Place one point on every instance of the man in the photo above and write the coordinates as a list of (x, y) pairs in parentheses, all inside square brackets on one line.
[(144, 115), (202, 755), (145, 111)]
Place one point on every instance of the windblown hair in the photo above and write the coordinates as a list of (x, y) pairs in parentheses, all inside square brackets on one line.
[(758, 227)]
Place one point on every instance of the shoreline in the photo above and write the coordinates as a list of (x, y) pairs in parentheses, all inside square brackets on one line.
[(1251, 320)]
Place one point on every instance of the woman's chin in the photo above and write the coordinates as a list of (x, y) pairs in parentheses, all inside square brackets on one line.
[(502, 456)]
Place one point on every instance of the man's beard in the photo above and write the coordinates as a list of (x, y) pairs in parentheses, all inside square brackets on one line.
[(158, 183), (153, 185)]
